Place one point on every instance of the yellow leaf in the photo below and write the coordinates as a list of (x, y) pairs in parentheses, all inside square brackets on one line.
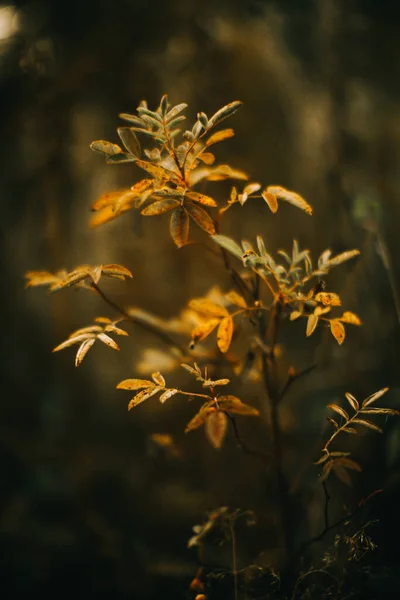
[(295, 314), (142, 396), (205, 306), (105, 215), (216, 427), (201, 416), (158, 172), (112, 198), (281, 193), (312, 322), (340, 411), (168, 394), (270, 199), (233, 405), (108, 341), (328, 299), (224, 334), (340, 258), (349, 317), (338, 331), (44, 277), (179, 227), (219, 136), (158, 378), (116, 271), (200, 332), (235, 298), (207, 158), (134, 384), (201, 217), (83, 350), (200, 198), (160, 207)]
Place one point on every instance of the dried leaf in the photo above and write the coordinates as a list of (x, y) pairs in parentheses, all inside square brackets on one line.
[(106, 148), (327, 468), (235, 298), (328, 298), (234, 405), (74, 340), (179, 227), (134, 384), (168, 394), (351, 430), (114, 270), (201, 416), (312, 322), (200, 332), (200, 198), (83, 350), (340, 411), (216, 427), (207, 158), (158, 379), (281, 193), (349, 317), (338, 330), (371, 399), (271, 200), (348, 463), (160, 207), (142, 396), (368, 424), (219, 136), (224, 334), (201, 217), (159, 172), (203, 305), (108, 341), (352, 401), (175, 111)]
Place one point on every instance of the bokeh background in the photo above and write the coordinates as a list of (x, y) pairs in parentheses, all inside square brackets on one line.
[(89, 506)]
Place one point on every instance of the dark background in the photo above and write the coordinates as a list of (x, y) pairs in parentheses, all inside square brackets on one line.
[(88, 507)]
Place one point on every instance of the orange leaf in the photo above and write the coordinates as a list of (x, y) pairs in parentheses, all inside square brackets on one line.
[(201, 217), (270, 199), (160, 207), (200, 198), (312, 322), (281, 193), (179, 227), (349, 317), (216, 427), (200, 332), (338, 331), (219, 136), (224, 334)]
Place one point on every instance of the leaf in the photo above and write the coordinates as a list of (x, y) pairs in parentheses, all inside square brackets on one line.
[(327, 468), (379, 411), (216, 427), (351, 430), (219, 136), (132, 119), (368, 424), (142, 396), (108, 341), (349, 317), (160, 207), (340, 411), (352, 401), (271, 200), (234, 405), (175, 111), (120, 158), (200, 332), (159, 172), (115, 330), (36, 278), (201, 416), (341, 473), (74, 340), (235, 298), (328, 298), (281, 193), (206, 157), (340, 258), (114, 270), (179, 227), (106, 148), (200, 198), (205, 306), (129, 140), (295, 314), (158, 378), (105, 215), (312, 322), (338, 331), (201, 217), (224, 113), (348, 463), (368, 401), (83, 350), (224, 334), (134, 384), (168, 394), (219, 173), (117, 198), (228, 244)]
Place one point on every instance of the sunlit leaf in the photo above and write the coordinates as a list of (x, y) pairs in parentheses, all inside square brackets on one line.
[(281, 193), (160, 207), (203, 305), (175, 111), (159, 172), (114, 270), (158, 378), (340, 258), (374, 397), (83, 350), (234, 405), (312, 322), (352, 401), (349, 317), (104, 147), (224, 334), (219, 136), (235, 298), (201, 217), (168, 394), (36, 278), (201, 417), (328, 298), (74, 340), (108, 341), (338, 331), (295, 314), (200, 198), (206, 157), (179, 227), (134, 384), (129, 140), (340, 411), (351, 430), (367, 424), (203, 330), (142, 396), (270, 199), (216, 427)]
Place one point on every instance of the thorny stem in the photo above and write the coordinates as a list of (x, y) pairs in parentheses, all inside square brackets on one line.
[(146, 326)]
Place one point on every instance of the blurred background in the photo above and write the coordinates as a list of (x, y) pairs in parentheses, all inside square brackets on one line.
[(89, 506)]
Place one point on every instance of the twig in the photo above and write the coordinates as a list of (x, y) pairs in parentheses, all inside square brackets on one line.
[(293, 378), (241, 444)]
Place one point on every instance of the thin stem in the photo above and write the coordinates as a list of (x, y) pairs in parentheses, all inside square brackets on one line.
[(234, 560), (293, 378), (241, 444), (146, 326)]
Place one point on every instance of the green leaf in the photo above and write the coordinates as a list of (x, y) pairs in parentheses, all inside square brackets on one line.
[(228, 244)]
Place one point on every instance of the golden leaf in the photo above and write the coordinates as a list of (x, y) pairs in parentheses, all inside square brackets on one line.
[(219, 136), (234, 405), (83, 350), (200, 332), (160, 207), (116, 330), (74, 340), (207, 158), (216, 427), (270, 199), (368, 424), (107, 341), (111, 199), (312, 322), (36, 278), (201, 416), (328, 298), (203, 305), (159, 172), (224, 334), (340, 258), (235, 298), (179, 227), (338, 330), (321, 310), (295, 314), (368, 401), (349, 317), (201, 217), (158, 378), (134, 384), (219, 173), (340, 411), (352, 401), (168, 394), (200, 198), (114, 270), (281, 193), (142, 396)]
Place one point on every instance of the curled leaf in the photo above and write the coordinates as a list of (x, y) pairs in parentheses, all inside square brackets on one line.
[(270, 199), (134, 384), (219, 136), (340, 411)]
